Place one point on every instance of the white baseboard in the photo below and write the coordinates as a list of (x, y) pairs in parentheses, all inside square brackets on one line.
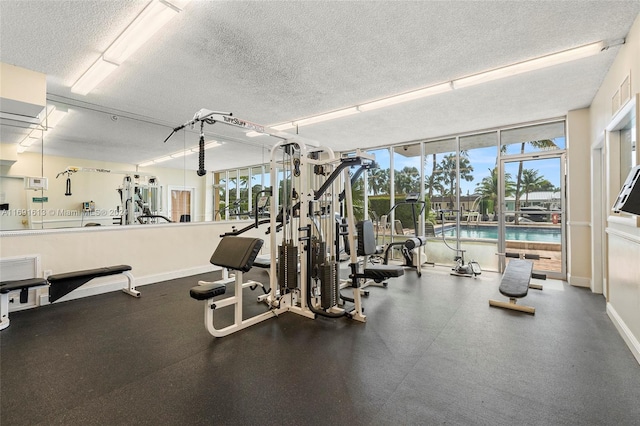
[(579, 281), (118, 282), (625, 332)]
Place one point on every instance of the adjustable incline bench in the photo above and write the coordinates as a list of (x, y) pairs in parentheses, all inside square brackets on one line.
[(237, 254), (59, 286), (515, 285)]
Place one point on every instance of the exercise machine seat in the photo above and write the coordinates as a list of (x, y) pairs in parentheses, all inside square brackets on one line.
[(516, 278), (382, 272), (366, 247), (236, 253), (366, 238), (9, 286), (207, 291), (63, 284)]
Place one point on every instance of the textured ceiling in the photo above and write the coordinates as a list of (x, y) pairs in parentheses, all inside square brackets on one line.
[(270, 62)]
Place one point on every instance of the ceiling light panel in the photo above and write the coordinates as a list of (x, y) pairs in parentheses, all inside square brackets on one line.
[(146, 24), (530, 65), (326, 117), (405, 97), (93, 76)]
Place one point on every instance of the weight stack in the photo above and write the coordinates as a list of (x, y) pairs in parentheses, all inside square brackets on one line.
[(287, 267), (328, 284), (318, 253)]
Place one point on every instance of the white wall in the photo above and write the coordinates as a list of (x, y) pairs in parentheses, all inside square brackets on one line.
[(578, 206), (156, 253), (622, 277)]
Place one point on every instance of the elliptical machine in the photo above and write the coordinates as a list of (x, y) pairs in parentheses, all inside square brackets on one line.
[(461, 269)]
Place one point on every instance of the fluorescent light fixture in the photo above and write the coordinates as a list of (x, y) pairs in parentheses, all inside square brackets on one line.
[(179, 154), (163, 159), (253, 134), (408, 96), (54, 116), (147, 23), (93, 76), (284, 126), (155, 15), (180, 4), (146, 164), (326, 117), (21, 149), (530, 65), (28, 141), (212, 144)]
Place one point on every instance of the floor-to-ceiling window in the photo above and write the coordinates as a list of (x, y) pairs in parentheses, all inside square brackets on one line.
[(467, 183)]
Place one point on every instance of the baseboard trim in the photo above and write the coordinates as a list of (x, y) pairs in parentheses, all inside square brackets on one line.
[(625, 332), (579, 281)]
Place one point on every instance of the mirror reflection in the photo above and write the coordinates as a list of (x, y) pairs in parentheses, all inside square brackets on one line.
[(67, 175)]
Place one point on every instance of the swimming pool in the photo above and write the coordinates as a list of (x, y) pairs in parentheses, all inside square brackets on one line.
[(514, 233)]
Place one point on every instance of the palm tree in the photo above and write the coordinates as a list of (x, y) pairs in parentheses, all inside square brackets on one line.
[(407, 180), (450, 172), (378, 180), (531, 182), (434, 180), (544, 144), (488, 187)]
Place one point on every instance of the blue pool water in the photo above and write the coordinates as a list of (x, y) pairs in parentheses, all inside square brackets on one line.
[(514, 233)]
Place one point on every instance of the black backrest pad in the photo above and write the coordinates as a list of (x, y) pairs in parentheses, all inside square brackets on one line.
[(366, 238), (237, 253)]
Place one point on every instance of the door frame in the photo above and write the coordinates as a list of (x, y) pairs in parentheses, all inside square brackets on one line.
[(190, 189), (502, 210)]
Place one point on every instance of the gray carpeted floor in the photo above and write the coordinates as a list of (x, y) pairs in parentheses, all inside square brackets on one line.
[(431, 352)]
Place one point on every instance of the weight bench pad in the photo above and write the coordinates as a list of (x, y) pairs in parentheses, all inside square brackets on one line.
[(63, 284), (207, 291), (237, 253), (414, 242), (366, 238), (382, 272), (8, 286), (515, 281)]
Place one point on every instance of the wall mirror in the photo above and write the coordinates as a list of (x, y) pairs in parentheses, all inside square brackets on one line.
[(101, 167)]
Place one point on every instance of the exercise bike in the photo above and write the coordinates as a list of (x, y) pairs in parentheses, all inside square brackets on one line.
[(461, 269)]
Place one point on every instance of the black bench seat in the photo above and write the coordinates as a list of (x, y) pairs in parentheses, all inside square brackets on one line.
[(381, 272), (207, 291), (515, 285), (63, 284), (7, 286)]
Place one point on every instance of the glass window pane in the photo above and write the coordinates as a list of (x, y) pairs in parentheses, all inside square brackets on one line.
[(478, 177), (440, 176), (379, 187), (541, 137), (406, 164)]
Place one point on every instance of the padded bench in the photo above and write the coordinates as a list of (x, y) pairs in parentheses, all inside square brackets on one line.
[(237, 254), (7, 287), (234, 253), (515, 285), (63, 284), (59, 286)]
